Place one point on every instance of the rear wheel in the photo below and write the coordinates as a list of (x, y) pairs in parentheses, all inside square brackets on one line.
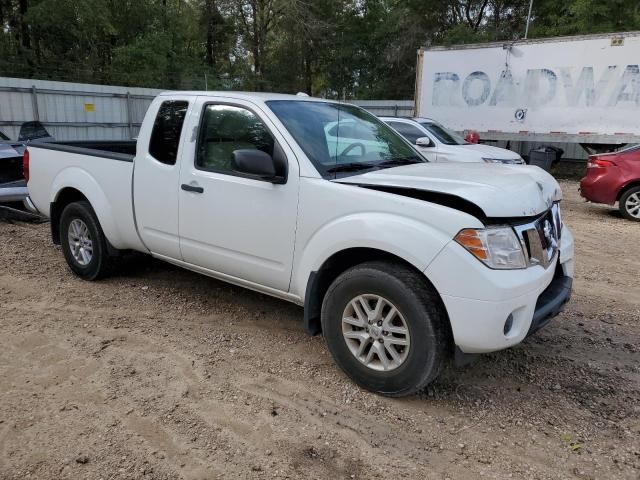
[(386, 328), (83, 242), (629, 204)]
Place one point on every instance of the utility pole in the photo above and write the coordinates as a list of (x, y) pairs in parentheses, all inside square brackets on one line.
[(526, 30)]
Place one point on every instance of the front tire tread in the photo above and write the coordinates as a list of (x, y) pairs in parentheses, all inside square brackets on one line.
[(420, 297)]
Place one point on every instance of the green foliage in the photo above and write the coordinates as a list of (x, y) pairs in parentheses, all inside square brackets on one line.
[(144, 59), (74, 32), (332, 48), (579, 17)]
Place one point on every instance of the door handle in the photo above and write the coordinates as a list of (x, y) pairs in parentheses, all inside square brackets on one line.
[(191, 188)]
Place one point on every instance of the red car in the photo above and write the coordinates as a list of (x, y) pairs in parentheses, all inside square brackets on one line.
[(615, 177)]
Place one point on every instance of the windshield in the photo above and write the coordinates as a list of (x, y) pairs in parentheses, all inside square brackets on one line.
[(342, 138), (446, 136), (3, 136)]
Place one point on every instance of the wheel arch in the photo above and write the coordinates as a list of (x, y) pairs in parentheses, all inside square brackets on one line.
[(626, 187), (320, 280), (74, 184), (64, 197)]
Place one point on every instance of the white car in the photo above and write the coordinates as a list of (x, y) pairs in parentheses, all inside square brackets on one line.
[(439, 144), (397, 261)]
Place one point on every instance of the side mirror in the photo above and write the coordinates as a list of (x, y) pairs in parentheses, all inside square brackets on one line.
[(424, 142), (257, 163)]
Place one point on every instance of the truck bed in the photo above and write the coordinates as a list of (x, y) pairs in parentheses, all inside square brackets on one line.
[(124, 150), (104, 168)]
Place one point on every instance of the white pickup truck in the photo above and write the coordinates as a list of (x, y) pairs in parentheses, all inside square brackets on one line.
[(439, 144), (400, 263)]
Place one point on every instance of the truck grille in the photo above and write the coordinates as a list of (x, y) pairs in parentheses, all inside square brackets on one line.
[(541, 238)]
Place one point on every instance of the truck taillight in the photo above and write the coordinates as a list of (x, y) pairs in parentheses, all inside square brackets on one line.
[(599, 163), (25, 165)]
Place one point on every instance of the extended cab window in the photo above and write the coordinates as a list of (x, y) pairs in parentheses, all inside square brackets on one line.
[(226, 128), (165, 136), (408, 131)]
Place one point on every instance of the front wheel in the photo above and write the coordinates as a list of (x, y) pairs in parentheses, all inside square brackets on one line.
[(630, 204), (386, 328), (84, 244)]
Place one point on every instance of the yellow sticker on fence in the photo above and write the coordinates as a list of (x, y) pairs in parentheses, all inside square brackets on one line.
[(89, 107)]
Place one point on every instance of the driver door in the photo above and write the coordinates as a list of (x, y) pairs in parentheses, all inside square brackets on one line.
[(240, 227)]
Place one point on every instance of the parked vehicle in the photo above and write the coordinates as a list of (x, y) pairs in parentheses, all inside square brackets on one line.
[(439, 144), (615, 177), (13, 188), (579, 89), (397, 261), (12, 185)]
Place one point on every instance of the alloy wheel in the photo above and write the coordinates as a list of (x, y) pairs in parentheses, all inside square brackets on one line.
[(632, 205), (375, 332), (80, 242)]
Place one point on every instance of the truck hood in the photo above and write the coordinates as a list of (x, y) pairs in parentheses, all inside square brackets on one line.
[(473, 152), (498, 190), (487, 151)]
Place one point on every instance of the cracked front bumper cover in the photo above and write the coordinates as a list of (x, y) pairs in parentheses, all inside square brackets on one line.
[(551, 302)]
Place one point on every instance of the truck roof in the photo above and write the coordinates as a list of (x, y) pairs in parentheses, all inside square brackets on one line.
[(261, 96)]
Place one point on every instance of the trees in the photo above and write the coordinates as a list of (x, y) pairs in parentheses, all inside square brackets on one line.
[(256, 21), (333, 48), (69, 36), (217, 31), (575, 17)]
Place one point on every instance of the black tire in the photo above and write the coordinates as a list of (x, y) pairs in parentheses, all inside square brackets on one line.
[(418, 303), (622, 204), (101, 263)]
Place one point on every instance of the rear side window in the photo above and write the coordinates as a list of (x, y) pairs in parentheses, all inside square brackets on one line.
[(165, 136)]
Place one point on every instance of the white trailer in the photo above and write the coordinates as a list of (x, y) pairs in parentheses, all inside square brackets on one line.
[(582, 89)]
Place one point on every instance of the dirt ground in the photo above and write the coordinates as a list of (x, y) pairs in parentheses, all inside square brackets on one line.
[(160, 373)]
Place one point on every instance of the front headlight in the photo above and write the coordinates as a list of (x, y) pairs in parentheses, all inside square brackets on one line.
[(496, 247), (558, 218), (510, 161), (491, 160)]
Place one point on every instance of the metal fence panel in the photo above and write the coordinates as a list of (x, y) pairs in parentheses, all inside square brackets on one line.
[(73, 111), (392, 108)]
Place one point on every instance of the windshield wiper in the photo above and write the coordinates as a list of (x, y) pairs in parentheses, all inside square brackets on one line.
[(351, 167), (399, 161), (357, 166)]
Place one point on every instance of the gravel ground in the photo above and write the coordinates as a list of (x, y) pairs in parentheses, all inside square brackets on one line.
[(159, 373)]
